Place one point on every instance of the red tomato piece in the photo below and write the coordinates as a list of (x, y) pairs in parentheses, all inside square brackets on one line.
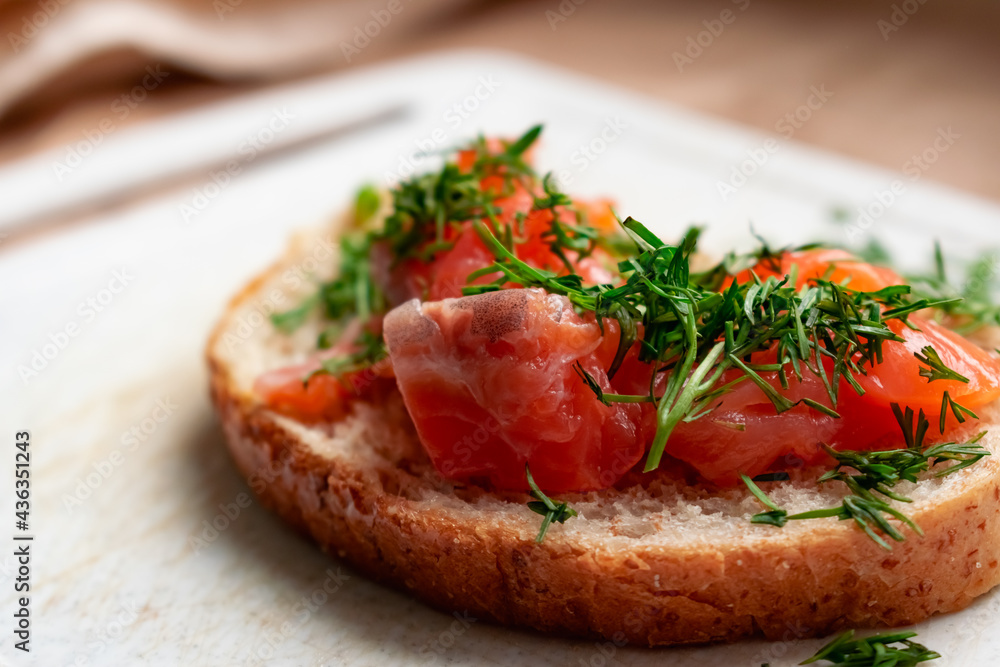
[(324, 397), (745, 434), (833, 264), (448, 272), (897, 379)]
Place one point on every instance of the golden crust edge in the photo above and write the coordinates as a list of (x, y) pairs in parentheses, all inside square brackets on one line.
[(651, 596)]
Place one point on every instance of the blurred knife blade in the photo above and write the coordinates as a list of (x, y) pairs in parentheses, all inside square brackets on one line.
[(107, 166)]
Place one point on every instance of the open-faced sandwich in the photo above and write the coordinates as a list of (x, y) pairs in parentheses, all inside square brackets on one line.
[(511, 403)]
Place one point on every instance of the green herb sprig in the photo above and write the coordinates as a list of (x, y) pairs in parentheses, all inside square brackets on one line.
[(697, 333), (935, 367), (960, 412), (876, 473), (890, 649), (417, 227), (371, 350), (545, 506), (868, 512), (971, 306)]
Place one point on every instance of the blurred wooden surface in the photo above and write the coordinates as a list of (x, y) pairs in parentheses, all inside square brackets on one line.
[(890, 91)]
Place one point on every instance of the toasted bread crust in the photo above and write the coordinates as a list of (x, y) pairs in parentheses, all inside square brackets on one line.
[(789, 586)]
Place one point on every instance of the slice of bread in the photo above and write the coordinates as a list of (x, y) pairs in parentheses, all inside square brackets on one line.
[(657, 560)]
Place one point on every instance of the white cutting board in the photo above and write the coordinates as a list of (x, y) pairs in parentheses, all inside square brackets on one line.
[(115, 578)]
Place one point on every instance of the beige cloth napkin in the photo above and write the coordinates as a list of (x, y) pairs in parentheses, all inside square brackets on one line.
[(48, 40)]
